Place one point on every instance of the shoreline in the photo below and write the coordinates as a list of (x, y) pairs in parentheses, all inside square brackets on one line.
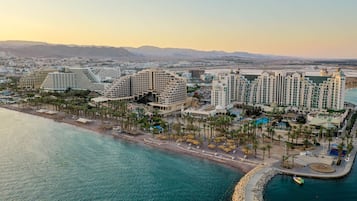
[(143, 139), (255, 175), (252, 185)]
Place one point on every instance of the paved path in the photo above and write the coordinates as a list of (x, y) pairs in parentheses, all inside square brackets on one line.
[(341, 171), (254, 184)]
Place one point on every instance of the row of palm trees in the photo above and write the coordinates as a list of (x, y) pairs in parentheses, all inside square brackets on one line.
[(204, 129)]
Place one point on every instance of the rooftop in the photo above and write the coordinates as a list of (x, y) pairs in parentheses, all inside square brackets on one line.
[(318, 79), (251, 77)]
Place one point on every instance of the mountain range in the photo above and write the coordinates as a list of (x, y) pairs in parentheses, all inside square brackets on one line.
[(42, 49)]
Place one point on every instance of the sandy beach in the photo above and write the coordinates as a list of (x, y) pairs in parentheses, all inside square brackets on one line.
[(144, 139)]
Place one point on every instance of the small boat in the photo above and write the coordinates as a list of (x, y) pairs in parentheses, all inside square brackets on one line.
[(298, 180)]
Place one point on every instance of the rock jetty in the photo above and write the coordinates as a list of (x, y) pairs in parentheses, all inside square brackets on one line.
[(251, 186)]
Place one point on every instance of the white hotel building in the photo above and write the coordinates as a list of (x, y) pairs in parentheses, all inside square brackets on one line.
[(74, 78), (292, 89), (165, 90)]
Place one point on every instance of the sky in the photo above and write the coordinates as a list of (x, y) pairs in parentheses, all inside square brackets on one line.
[(304, 28)]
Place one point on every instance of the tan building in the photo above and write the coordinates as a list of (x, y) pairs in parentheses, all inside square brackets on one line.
[(34, 79)]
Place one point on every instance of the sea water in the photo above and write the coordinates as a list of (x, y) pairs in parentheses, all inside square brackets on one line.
[(44, 160), (283, 188)]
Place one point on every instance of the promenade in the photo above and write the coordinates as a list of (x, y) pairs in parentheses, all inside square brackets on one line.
[(306, 171), (251, 186), (341, 170)]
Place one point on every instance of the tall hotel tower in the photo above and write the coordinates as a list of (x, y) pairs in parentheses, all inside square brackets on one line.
[(292, 89)]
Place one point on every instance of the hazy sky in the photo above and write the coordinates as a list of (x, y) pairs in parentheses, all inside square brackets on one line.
[(310, 28)]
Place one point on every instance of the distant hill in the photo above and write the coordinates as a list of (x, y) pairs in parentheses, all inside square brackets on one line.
[(151, 51), (39, 49), (19, 43)]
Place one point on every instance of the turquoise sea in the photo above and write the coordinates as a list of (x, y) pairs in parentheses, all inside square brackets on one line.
[(282, 188), (44, 160)]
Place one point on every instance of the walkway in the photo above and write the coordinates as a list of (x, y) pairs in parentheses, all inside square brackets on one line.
[(251, 186), (341, 171)]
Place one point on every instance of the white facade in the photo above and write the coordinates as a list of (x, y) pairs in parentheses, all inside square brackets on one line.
[(74, 78), (220, 94), (167, 88), (292, 89), (58, 81)]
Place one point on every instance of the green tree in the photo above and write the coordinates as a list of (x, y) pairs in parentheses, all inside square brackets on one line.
[(255, 147), (340, 151), (349, 147), (263, 148), (268, 148)]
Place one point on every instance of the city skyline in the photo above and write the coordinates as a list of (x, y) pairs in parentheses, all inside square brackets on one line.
[(318, 29)]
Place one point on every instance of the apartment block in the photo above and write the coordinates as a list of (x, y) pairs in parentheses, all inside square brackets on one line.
[(291, 89)]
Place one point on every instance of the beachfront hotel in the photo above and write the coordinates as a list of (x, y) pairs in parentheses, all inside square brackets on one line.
[(291, 89), (34, 79), (220, 95), (164, 90), (73, 78)]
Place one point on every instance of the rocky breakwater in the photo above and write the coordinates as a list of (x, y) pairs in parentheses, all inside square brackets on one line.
[(251, 186), (239, 190), (264, 177)]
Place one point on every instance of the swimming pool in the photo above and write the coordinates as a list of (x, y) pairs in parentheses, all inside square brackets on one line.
[(263, 120)]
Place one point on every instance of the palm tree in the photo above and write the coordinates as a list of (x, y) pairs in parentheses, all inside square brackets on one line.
[(288, 146), (349, 147), (263, 148), (284, 158), (132, 121), (329, 138), (340, 150), (292, 161), (279, 138), (306, 143), (289, 135), (246, 150), (262, 136), (296, 135), (177, 128), (272, 133), (204, 131), (343, 139), (255, 147), (321, 132), (268, 148)]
